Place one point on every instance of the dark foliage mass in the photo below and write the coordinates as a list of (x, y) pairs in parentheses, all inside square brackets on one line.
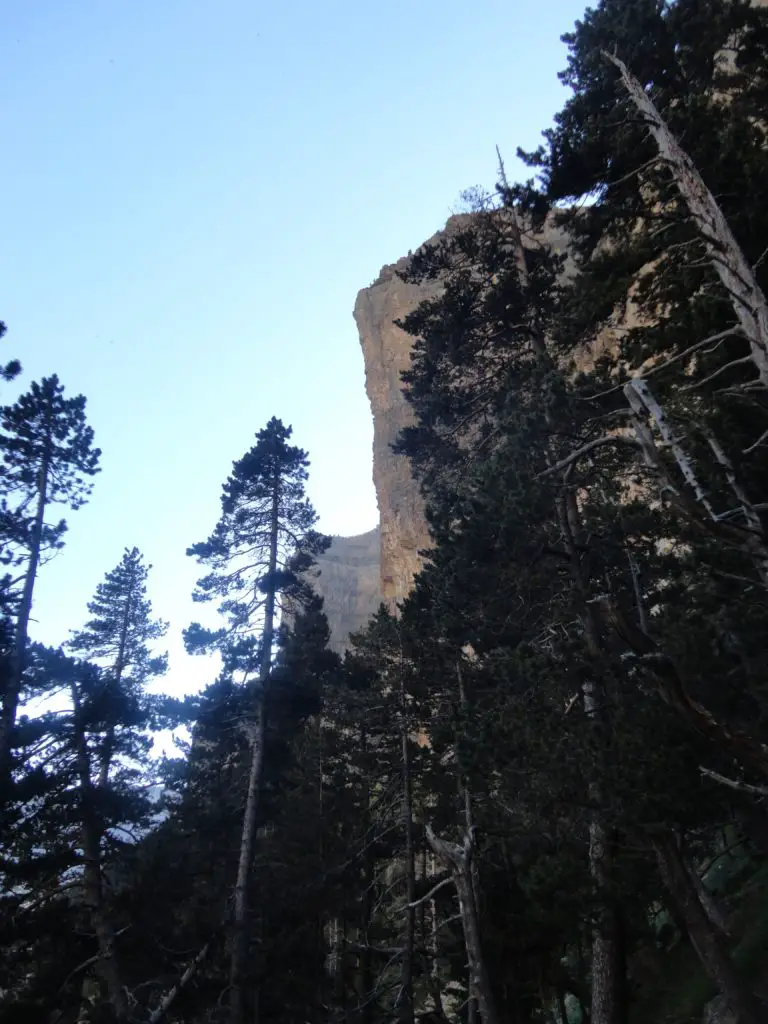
[(535, 792)]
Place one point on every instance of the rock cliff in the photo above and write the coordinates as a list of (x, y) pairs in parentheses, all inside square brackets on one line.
[(387, 352), (357, 573)]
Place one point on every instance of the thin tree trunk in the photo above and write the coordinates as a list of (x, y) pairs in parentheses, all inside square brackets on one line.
[(108, 746), (93, 889), (240, 913), (257, 733), (608, 969), (268, 635), (707, 940), (464, 793), (18, 662), (405, 1000), (433, 944), (607, 960), (167, 1001), (458, 861), (365, 962)]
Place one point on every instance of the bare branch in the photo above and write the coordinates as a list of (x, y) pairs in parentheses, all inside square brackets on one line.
[(638, 170), (743, 787), (600, 442), (716, 373), (165, 1003), (435, 888), (758, 442)]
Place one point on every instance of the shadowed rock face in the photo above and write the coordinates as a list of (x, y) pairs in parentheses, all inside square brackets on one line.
[(347, 577)]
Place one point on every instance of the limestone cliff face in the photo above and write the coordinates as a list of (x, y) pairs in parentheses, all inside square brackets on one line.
[(387, 353), (347, 577)]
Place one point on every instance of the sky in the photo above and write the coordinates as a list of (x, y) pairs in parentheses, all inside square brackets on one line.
[(192, 192)]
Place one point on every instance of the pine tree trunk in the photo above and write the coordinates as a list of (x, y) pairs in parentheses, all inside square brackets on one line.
[(108, 747), (240, 912), (608, 969), (405, 1000), (269, 606), (706, 939), (607, 960), (13, 689), (458, 861), (237, 980), (432, 943), (466, 796), (369, 873), (93, 889)]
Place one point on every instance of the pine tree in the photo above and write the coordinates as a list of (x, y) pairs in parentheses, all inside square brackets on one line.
[(48, 456), (262, 543), (77, 836), (119, 634), (189, 907)]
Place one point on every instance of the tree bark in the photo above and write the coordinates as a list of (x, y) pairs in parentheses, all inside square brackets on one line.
[(608, 969), (458, 861), (240, 911), (464, 793), (707, 940), (405, 999), (257, 733), (432, 943), (369, 874), (108, 746)]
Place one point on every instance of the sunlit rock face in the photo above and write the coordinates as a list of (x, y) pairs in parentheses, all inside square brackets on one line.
[(357, 573), (387, 353)]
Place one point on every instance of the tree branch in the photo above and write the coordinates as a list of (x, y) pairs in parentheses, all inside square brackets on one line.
[(600, 442), (737, 784), (165, 1003), (429, 895)]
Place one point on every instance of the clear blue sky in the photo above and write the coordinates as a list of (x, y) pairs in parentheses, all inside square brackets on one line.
[(192, 193)]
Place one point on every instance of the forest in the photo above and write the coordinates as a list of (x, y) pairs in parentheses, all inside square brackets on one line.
[(534, 792)]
